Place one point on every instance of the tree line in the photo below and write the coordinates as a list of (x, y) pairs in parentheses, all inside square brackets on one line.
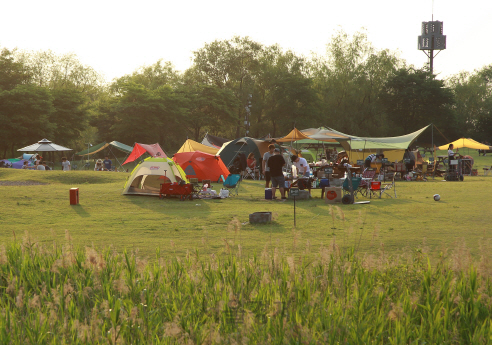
[(234, 88)]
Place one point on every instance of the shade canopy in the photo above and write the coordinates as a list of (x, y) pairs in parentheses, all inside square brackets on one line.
[(99, 147), (294, 135), (44, 146), (465, 142)]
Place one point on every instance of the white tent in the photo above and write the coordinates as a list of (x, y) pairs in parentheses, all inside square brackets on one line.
[(147, 177)]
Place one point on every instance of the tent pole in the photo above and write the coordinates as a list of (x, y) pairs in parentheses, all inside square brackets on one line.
[(433, 152)]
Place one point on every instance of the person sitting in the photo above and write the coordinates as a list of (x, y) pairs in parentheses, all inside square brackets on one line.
[(41, 166), (46, 166), (251, 162), (371, 159), (108, 164), (99, 165)]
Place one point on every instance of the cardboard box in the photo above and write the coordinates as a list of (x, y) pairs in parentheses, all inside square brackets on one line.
[(333, 195)]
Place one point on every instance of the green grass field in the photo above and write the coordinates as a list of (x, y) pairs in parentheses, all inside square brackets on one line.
[(107, 218), (138, 270)]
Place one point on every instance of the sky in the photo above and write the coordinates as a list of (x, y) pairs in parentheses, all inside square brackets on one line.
[(117, 37)]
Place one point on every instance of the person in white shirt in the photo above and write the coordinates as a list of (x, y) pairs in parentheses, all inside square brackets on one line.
[(301, 165), (65, 164)]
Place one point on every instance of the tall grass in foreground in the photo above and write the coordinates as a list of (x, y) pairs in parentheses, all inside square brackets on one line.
[(65, 295)]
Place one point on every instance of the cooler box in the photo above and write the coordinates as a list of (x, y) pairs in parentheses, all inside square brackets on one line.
[(74, 196), (333, 195), (268, 193)]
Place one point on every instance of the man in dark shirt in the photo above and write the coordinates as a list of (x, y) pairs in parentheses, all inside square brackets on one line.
[(275, 163)]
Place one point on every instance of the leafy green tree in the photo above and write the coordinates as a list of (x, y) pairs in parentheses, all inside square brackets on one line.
[(24, 114), (12, 71), (151, 77), (473, 102), (349, 80), (229, 64), (208, 108), (414, 99), (70, 115), (284, 97), (147, 116)]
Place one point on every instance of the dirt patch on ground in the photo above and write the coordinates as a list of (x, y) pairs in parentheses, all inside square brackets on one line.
[(21, 183)]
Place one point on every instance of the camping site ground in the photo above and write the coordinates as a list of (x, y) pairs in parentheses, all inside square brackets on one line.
[(37, 203)]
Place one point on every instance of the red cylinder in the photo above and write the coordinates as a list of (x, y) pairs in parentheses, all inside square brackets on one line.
[(74, 196)]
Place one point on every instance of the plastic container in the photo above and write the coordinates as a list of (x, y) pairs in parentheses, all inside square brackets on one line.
[(268, 193)]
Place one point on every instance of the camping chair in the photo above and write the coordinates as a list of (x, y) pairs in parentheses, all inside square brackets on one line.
[(377, 187), (421, 174), (486, 170), (355, 185), (249, 173), (196, 188), (232, 183), (367, 177), (87, 165)]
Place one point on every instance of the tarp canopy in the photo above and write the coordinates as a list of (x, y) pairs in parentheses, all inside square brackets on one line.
[(324, 134), (99, 147), (154, 150), (213, 141), (201, 165), (192, 146), (44, 146), (465, 142)]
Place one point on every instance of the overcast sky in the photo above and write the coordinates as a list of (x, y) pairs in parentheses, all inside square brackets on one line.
[(117, 37)]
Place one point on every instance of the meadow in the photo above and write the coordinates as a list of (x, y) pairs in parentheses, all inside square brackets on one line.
[(139, 270)]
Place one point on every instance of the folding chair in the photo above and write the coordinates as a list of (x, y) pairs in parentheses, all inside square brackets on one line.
[(196, 188), (232, 183), (249, 173), (486, 170), (367, 177), (385, 187)]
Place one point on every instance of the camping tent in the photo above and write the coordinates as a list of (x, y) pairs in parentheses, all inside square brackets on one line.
[(201, 165), (154, 150), (229, 150), (466, 142), (213, 141), (192, 146), (147, 177)]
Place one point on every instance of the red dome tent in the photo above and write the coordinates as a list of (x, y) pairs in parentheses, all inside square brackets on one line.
[(201, 165)]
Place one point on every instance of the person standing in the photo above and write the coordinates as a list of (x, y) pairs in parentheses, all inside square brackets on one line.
[(65, 164), (266, 168), (108, 164), (301, 165), (410, 163), (451, 156), (275, 163)]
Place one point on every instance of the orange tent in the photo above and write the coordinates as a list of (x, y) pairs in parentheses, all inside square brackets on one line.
[(201, 165)]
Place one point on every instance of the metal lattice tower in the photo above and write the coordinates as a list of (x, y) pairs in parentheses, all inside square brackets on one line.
[(431, 39)]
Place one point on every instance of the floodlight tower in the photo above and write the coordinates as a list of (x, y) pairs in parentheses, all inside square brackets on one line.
[(432, 39)]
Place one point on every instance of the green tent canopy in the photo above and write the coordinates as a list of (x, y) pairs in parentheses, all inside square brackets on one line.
[(102, 146)]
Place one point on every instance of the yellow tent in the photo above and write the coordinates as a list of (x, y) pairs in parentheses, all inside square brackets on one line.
[(465, 142), (192, 146)]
